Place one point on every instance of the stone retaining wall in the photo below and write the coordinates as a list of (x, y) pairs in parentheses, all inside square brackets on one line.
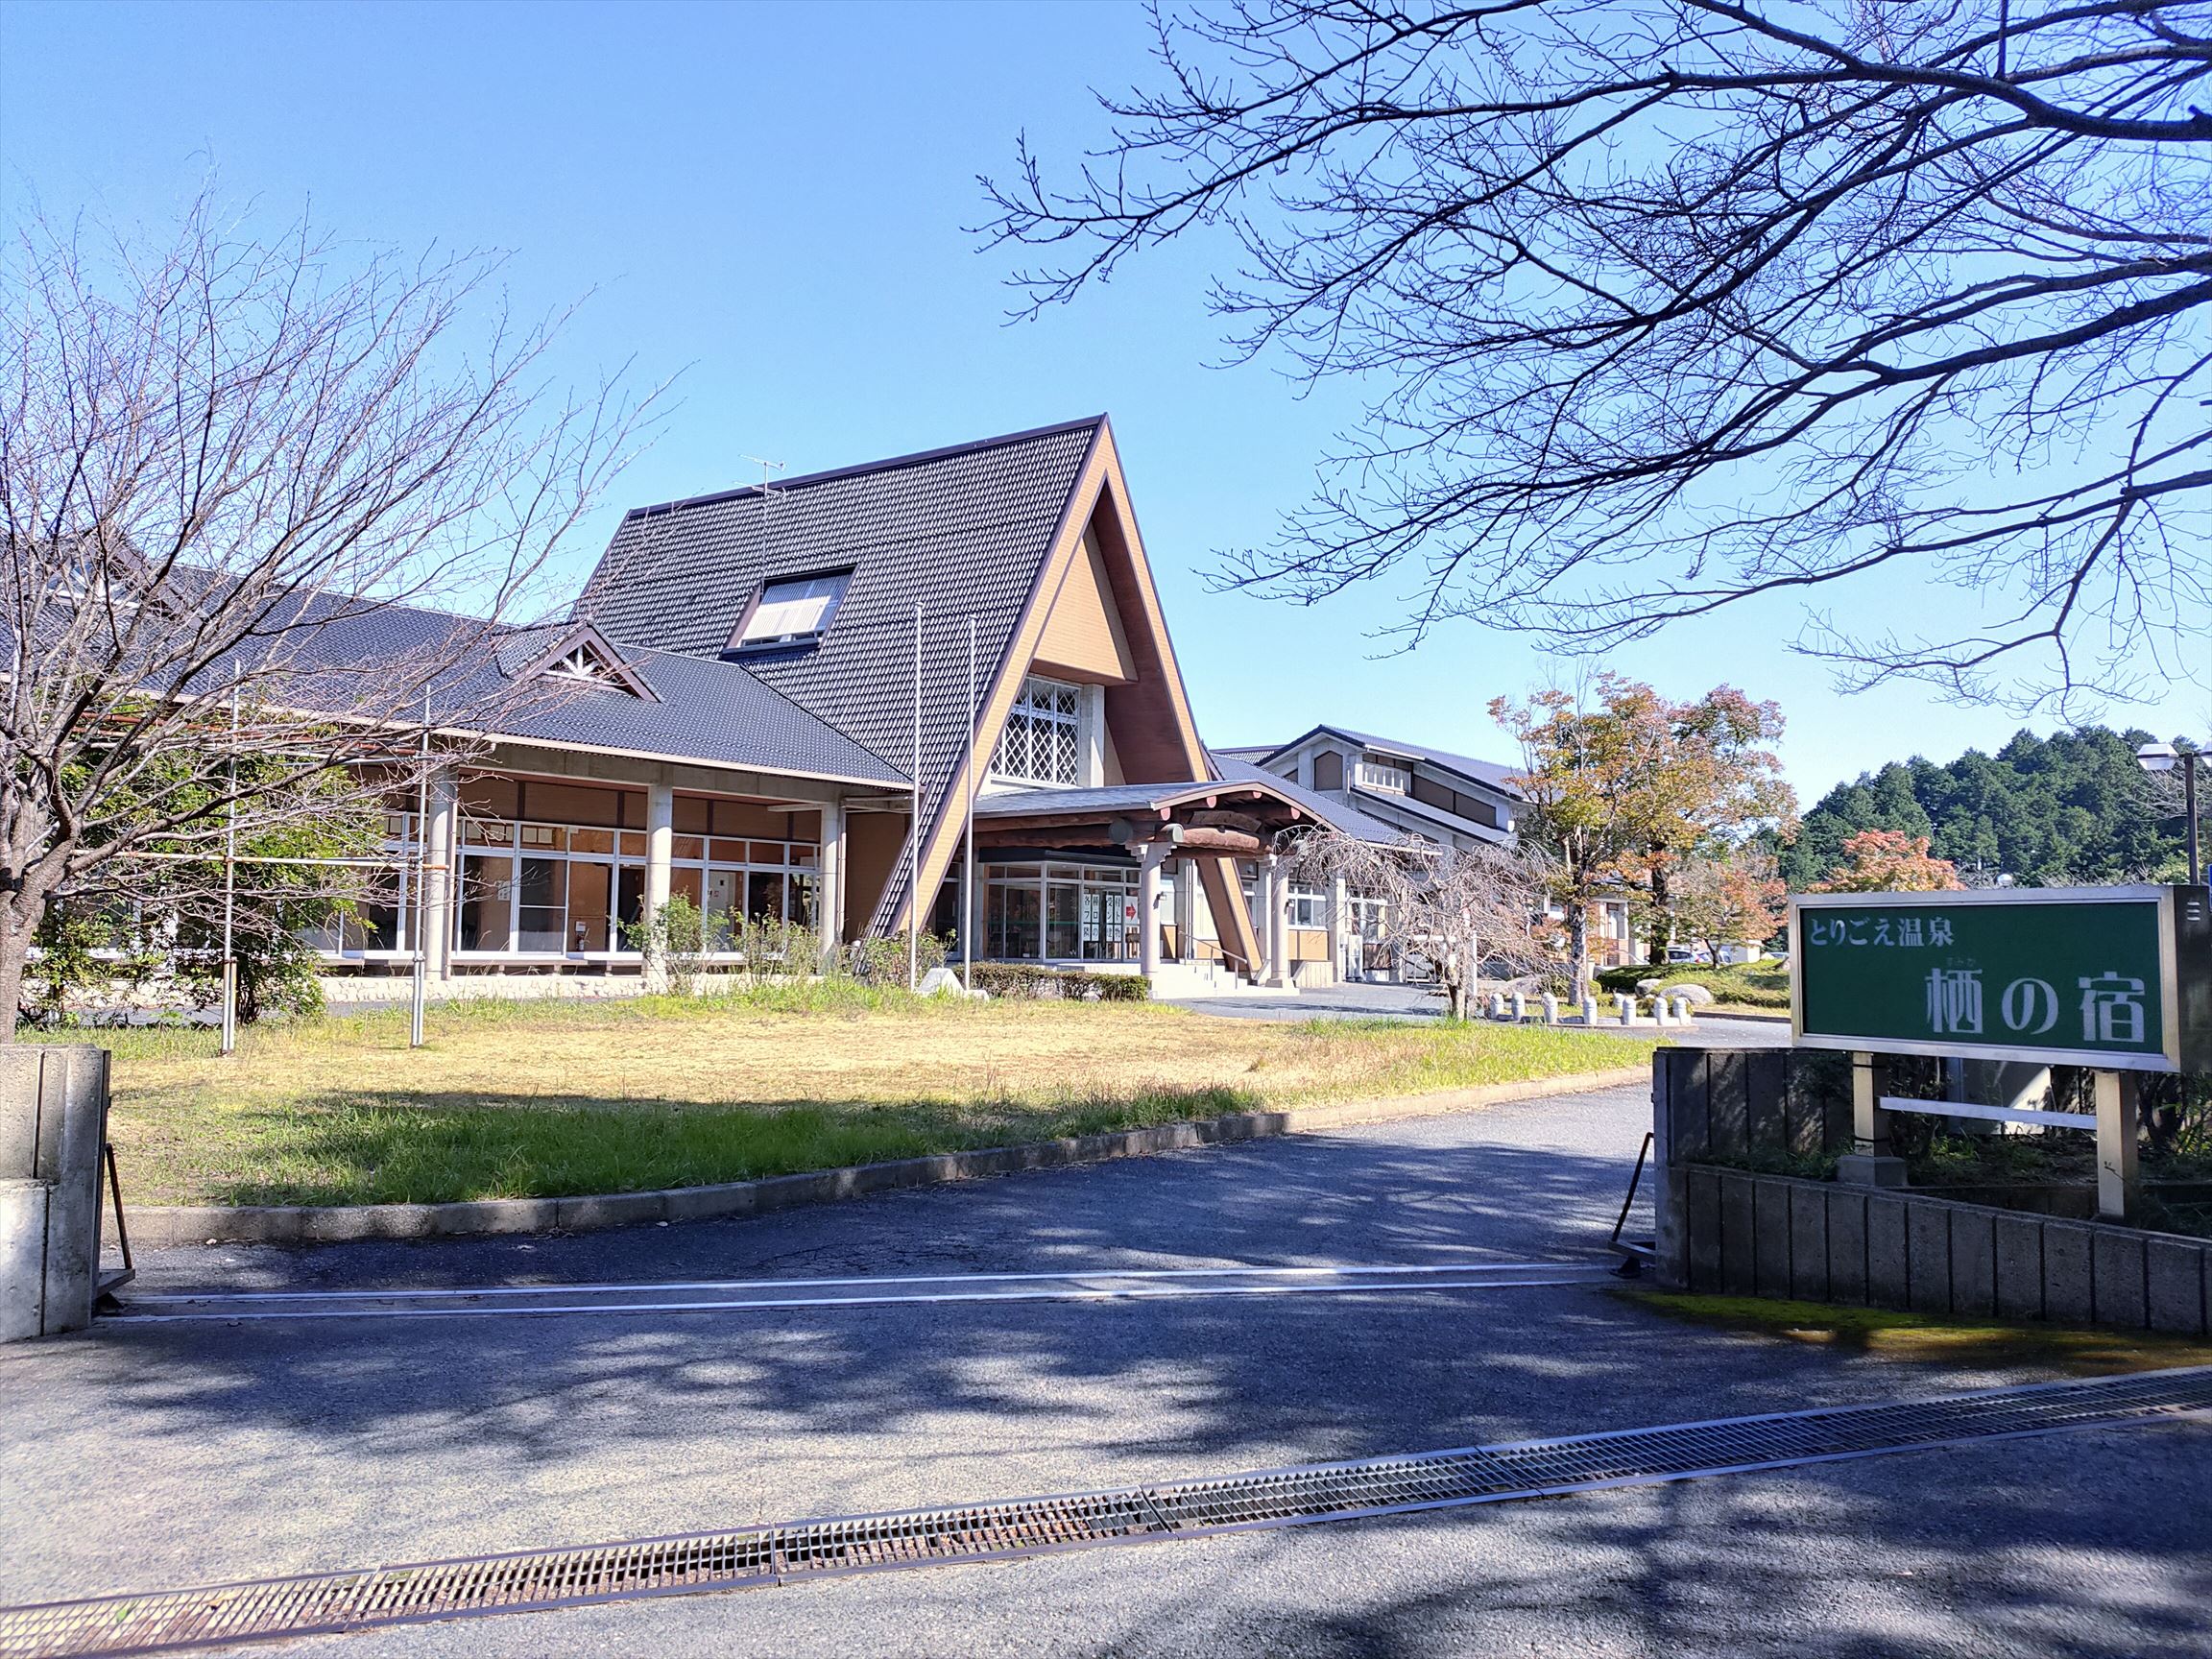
[(1730, 1232)]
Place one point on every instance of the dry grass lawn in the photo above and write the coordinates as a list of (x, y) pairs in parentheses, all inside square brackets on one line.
[(536, 1099)]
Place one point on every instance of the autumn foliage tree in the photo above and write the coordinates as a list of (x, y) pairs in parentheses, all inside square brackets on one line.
[(1620, 786), (1732, 896), (1890, 861)]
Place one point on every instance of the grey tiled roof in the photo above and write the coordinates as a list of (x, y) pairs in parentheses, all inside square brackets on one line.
[(963, 531), (1350, 820), (1490, 772), (712, 713)]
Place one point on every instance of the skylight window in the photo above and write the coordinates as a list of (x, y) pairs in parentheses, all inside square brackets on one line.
[(792, 611)]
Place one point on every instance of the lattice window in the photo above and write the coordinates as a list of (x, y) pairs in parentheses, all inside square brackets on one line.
[(1043, 740)]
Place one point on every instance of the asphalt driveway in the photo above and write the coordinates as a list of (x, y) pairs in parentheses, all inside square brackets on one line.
[(148, 1456)]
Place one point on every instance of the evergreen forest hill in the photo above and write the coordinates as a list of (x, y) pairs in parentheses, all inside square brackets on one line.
[(2073, 810)]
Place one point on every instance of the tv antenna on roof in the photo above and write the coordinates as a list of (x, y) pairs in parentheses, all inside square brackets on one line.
[(769, 494)]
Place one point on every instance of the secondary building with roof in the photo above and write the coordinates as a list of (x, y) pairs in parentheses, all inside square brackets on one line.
[(761, 703), (1415, 791)]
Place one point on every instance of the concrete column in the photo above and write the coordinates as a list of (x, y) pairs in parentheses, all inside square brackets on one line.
[(1148, 862), (53, 1122), (1626, 1004), (1187, 910), (1339, 932), (1551, 1009), (1869, 1163), (1589, 1010), (660, 844), (441, 868), (829, 876), (2116, 1144), (1520, 1006), (1278, 919), (23, 1203)]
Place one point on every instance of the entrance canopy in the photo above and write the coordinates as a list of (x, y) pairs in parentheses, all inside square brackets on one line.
[(1236, 820)]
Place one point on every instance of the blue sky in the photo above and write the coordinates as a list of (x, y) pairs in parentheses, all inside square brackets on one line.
[(768, 200)]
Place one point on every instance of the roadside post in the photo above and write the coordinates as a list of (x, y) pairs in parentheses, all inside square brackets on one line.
[(2117, 981), (53, 1132)]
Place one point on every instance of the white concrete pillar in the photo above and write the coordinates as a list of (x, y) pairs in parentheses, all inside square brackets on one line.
[(1153, 854), (441, 870), (1520, 1007), (2116, 1142), (830, 876), (660, 844), (1339, 930), (1626, 1005), (1551, 1009), (1497, 1004), (1589, 1010), (1186, 910), (1278, 889)]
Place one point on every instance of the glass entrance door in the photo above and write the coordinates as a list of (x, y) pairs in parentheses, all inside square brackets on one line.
[(590, 905)]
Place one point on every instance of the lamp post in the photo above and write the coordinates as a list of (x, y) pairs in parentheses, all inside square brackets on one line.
[(2158, 758)]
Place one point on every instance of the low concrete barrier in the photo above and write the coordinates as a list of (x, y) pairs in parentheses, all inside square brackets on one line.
[(1731, 1232)]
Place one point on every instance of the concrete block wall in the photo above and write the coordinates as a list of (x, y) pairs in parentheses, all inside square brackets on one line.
[(1732, 1232), (1743, 1104)]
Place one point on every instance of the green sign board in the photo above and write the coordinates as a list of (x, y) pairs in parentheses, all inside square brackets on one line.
[(2106, 976)]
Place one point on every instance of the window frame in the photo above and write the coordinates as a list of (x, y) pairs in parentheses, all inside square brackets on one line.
[(741, 643)]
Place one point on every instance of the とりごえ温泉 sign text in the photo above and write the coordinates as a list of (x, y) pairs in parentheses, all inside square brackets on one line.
[(2118, 978)]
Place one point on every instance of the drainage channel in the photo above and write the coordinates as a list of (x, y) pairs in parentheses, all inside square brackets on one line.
[(755, 1295), (758, 1557)]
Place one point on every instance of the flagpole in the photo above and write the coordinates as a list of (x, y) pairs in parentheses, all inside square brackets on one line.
[(422, 917), (230, 1039), (914, 839), (969, 905)]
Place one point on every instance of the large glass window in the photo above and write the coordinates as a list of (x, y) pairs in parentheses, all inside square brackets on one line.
[(1043, 740), (1061, 912), (1308, 908)]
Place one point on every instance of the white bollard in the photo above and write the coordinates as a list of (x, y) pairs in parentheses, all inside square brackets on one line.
[(1589, 1010), (1628, 1007), (1520, 1007), (1551, 1009), (1681, 1010), (1497, 1004)]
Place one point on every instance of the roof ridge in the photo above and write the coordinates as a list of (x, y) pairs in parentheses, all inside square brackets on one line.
[(888, 464)]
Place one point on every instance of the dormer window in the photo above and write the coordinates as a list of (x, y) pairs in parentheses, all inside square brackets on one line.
[(582, 656), (585, 663), (791, 611)]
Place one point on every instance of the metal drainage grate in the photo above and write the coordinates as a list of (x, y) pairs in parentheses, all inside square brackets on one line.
[(274, 1608)]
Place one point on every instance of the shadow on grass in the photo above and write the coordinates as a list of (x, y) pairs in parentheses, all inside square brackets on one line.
[(418, 1149)]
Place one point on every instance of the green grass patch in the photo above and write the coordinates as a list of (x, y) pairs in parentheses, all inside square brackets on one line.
[(1916, 1336), (1763, 987), (547, 1098)]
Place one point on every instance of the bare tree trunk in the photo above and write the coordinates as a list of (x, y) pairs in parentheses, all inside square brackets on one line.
[(1578, 936), (18, 922), (1662, 919)]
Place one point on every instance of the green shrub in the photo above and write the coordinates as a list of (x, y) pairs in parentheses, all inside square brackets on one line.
[(882, 961), (1124, 987)]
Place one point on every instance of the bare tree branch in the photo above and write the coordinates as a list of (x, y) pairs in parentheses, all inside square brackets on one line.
[(1679, 303)]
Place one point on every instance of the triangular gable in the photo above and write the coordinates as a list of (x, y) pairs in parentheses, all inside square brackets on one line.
[(1083, 638), (1154, 737), (583, 656)]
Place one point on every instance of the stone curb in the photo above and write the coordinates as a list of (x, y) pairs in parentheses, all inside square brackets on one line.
[(160, 1226)]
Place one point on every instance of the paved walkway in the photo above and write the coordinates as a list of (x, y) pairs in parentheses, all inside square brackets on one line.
[(1362, 1001), (143, 1456)]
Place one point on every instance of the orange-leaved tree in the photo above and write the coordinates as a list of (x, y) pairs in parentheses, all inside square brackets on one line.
[(1890, 861)]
